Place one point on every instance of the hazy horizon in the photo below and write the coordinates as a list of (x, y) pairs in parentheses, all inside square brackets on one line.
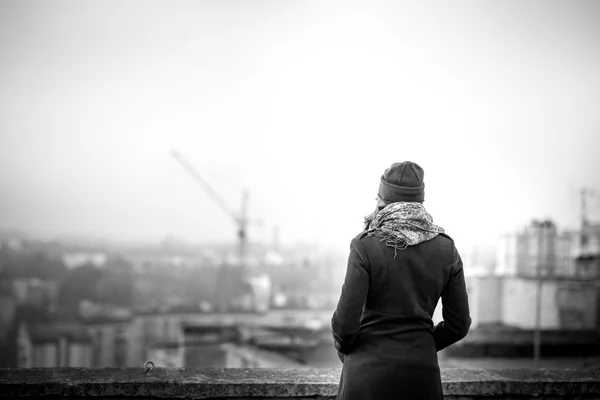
[(303, 103)]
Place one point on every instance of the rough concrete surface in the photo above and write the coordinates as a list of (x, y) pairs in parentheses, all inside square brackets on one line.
[(277, 383)]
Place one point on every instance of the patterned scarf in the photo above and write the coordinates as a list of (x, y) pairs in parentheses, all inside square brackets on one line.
[(402, 224)]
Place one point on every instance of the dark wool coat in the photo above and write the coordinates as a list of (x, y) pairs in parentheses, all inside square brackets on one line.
[(383, 326)]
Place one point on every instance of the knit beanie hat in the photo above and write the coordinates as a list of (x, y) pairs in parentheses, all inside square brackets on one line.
[(402, 182)]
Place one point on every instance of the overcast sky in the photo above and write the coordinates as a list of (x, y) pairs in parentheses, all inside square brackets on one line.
[(303, 102)]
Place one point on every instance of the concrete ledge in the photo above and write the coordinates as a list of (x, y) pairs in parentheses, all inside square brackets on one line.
[(240, 384)]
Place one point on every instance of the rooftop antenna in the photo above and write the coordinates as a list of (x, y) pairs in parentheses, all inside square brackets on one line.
[(583, 236)]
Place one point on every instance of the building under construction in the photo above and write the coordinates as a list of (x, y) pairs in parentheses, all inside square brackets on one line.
[(237, 289)]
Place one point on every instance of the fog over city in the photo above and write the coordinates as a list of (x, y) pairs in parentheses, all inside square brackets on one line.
[(302, 103)]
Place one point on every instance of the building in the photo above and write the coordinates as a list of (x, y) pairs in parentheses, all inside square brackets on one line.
[(485, 299), (207, 345), (38, 292), (53, 345), (571, 253), (245, 356), (154, 332), (587, 251), (566, 304), (8, 325), (167, 354), (79, 258), (539, 244), (588, 236), (564, 265), (111, 340), (224, 346)]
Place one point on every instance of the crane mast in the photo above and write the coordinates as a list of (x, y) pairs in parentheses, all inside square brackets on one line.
[(241, 221)]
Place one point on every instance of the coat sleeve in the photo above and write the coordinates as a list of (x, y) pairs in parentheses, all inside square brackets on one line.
[(455, 307), (345, 322)]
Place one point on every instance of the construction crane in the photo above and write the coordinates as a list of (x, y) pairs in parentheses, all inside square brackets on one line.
[(240, 219)]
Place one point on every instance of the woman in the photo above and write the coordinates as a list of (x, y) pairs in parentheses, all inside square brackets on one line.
[(398, 268)]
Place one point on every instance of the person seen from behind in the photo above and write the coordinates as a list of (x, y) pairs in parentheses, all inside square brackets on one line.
[(398, 269)]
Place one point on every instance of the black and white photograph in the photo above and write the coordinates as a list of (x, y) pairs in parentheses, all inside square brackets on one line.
[(300, 199)]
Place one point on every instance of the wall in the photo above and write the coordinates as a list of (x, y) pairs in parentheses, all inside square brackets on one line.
[(206, 355), (511, 300), (485, 302), (45, 355), (111, 345), (267, 383), (252, 357), (519, 304), (80, 355), (565, 304)]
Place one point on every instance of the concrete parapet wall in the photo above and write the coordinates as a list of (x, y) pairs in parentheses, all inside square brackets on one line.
[(115, 383)]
